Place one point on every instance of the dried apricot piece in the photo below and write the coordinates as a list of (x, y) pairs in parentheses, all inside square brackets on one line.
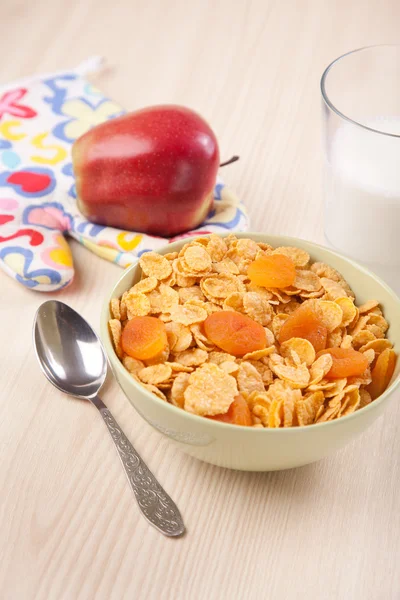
[(235, 333), (382, 373), (144, 337), (304, 323), (272, 271), (238, 413), (347, 362)]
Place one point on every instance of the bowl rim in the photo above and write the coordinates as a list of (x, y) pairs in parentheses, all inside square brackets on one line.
[(116, 364)]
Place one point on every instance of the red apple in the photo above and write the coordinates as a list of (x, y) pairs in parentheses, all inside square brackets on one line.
[(152, 170)]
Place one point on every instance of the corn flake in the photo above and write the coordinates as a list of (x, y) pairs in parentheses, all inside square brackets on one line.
[(249, 379), (324, 270), (260, 413), (132, 364), (269, 336), (320, 368), (363, 379), (145, 285), (277, 323), (368, 306), (307, 281), (226, 266), (335, 338), (190, 293), (229, 367), (329, 413), (155, 374), (375, 330), (348, 309), (275, 414), (220, 286), (211, 391), (362, 337), (297, 376), (122, 308), (369, 355), (216, 248), (163, 299), (197, 259), (303, 348), (179, 336), (350, 403), (333, 289), (137, 305), (264, 370), (115, 330), (155, 265), (178, 388), (360, 325), (378, 321), (171, 256), (115, 309), (283, 403), (188, 314), (184, 281), (377, 345), (307, 408), (259, 398), (257, 308), (347, 341), (201, 340), (154, 390), (234, 302), (192, 357), (217, 357), (257, 354), (365, 398), (263, 292), (336, 387), (301, 258)]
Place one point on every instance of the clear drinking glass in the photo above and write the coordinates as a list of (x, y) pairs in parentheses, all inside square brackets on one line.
[(361, 118)]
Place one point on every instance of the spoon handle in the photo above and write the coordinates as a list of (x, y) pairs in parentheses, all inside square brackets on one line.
[(153, 501)]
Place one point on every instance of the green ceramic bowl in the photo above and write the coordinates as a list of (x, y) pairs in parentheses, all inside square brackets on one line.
[(246, 448)]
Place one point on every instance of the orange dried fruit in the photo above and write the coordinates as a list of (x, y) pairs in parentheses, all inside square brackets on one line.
[(234, 332), (382, 373), (272, 271), (304, 323), (347, 362), (144, 337), (238, 413)]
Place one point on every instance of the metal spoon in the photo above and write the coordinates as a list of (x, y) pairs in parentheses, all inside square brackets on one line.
[(73, 360)]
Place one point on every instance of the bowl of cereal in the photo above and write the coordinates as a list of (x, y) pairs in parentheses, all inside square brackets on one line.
[(253, 352)]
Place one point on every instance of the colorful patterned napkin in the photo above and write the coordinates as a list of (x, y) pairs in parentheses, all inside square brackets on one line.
[(39, 120)]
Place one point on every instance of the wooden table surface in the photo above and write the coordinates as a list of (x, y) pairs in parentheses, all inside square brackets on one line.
[(69, 525)]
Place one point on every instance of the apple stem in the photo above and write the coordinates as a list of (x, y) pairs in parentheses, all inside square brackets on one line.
[(230, 161)]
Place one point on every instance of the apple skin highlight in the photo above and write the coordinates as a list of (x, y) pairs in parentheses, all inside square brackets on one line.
[(151, 171)]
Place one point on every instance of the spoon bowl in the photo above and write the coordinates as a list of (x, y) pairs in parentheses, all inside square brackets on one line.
[(69, 352)]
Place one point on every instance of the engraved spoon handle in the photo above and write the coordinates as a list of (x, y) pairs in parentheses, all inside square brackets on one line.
[(155, 504)]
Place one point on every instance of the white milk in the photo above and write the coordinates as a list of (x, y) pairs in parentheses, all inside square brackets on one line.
[(362, 216)]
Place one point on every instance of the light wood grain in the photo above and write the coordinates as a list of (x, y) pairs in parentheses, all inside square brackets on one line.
[(69, 525)]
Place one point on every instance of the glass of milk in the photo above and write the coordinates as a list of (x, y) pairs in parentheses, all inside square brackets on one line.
[(361, 114)]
